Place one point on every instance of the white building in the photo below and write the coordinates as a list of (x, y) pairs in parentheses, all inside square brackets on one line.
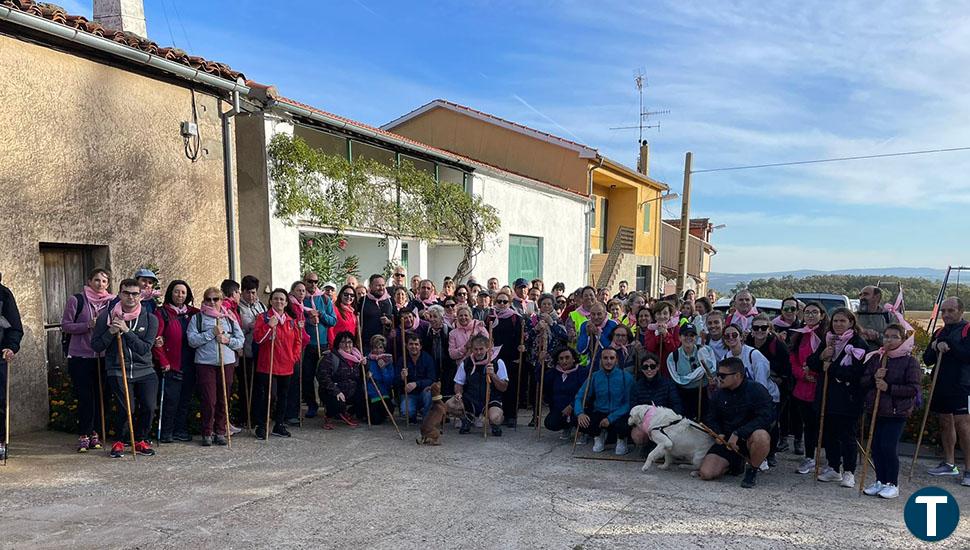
[(542, 226)]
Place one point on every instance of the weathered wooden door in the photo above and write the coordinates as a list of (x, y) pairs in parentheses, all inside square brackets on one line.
[(63, 274)]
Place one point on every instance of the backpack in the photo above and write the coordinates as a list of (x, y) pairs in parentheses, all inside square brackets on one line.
[(65, 337)]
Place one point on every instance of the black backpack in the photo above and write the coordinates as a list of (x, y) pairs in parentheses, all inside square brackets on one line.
[(65, 337)]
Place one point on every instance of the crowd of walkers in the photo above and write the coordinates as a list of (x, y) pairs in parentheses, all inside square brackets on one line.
[(372, 351)]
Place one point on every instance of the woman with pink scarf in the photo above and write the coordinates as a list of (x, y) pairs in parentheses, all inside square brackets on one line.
[(806, 341), (80, 315), (507, 333), (843, 358), (340, 383), (460, 337)]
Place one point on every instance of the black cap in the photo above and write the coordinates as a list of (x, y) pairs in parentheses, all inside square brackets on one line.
[(520, 282), (688, 329)]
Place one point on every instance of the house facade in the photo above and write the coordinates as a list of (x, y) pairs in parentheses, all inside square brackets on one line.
[(699, 254)]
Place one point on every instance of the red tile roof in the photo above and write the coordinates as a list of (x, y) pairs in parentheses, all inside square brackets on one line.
[(57, 14)]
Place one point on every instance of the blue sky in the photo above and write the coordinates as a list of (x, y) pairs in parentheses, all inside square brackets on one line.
[(746, 83)]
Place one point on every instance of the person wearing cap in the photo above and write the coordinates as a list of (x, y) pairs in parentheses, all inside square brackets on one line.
[(483, 306), (320, 316), (149, 289), (693, 368), (520, 302)]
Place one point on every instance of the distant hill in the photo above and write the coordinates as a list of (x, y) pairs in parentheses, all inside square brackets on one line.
[(724, 282)]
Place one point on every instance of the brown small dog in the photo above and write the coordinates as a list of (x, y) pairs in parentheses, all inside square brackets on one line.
[(431, 425)]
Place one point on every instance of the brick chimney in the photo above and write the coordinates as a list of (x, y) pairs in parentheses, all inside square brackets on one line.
[(122, 15), (643, 165)]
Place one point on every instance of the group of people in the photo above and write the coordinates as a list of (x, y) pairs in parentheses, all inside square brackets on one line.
[(371, 351)]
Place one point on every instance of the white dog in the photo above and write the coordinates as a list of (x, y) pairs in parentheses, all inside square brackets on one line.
[(675, 436)]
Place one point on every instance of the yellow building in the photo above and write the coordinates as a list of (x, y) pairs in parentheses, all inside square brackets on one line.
[(622, 220)]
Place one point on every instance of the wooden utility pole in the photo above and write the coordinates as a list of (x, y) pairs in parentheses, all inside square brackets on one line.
[(684, 227)]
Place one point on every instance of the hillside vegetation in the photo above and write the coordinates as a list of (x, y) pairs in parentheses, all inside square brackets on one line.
[(920, 293)]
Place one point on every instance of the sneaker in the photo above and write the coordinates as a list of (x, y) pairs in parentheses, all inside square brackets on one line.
[(566, 434), (621, 447), (772, 461), (206, 440), (583, 439), (763, 466), (3, 451), (294, 422), (828, 474), (220, 440), (166, 438), (599, 443), (874, 488), (944, 469), (456, 422), (782, 445), (479, 422), (327, 424), (966, 479), (144, 448), (83, 443), (349, 420), (281, 431), (889, 491), (799, 447), (466, 427), (117, 450), (496, 431), (806, 466), (94, 442), (181, 436), (750, 477), (848, 480), (260, 432), (234, 430), (311, 411)]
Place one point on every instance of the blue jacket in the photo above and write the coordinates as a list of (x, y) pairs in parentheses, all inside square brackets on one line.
[(327, 319), (583, 344), (561, 393), (423, 373), (204, 341), (610, 394), (385, 378)]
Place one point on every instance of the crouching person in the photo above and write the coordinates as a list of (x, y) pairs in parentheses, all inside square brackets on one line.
[(610, 410), (649, 388), (474, 375), (560, 387), (740, 412)]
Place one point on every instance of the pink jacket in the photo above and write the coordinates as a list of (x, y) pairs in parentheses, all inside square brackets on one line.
[(804, 388), (460, 336)]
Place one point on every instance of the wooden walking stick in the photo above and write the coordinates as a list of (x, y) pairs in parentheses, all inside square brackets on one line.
[(363, 369), (104, 435), (247, 380), (926, 413), (540, 387), (225, 389), (518, 377), (386, 408), (6, 415), (404, 365), (821, 422), (488, 383), (269, 381), (128, 403), (872, 428), (717, 438), (589, 380)]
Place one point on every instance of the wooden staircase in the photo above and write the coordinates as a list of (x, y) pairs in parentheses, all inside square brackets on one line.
[(622, 244)]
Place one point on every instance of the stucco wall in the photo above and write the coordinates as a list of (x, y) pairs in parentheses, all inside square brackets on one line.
[(92, 155)]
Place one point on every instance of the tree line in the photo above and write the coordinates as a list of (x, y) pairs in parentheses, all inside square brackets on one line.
[(919, 293)]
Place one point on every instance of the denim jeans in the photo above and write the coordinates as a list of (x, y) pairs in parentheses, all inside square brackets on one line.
[(417, 401)]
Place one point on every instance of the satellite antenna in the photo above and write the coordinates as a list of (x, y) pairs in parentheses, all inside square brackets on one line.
[(641, 81)]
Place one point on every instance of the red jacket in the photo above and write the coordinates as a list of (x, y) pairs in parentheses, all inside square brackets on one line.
[(286, 348), (671, 342), (172, 332), (346, 322)]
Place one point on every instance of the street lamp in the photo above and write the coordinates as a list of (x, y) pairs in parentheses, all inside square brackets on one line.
[(667, 197)]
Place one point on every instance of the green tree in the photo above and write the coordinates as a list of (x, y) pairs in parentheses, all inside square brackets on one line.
[(919, 293)]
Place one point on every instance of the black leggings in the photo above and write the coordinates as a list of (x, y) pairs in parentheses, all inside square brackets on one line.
[(143, 392), (620, 428), (839, 440), (84, 377), (555, 421), (281, 385), (804, 423)]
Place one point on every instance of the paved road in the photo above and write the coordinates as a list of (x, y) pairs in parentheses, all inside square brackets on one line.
[(367, 489)]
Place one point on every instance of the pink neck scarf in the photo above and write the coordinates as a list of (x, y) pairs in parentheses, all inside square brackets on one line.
[(380, 299), (566, 373), (98, 300), (178, 310), (906, 348), (378, 357), (814, 340), (429, 302), (485, 361), (842, 344), (504, 313), (117, 311), (582, 311), (317, 292), (150, 294), (210, 311), (281, 316), (671, 323), (780, 323), (354, 357), (738, 315)]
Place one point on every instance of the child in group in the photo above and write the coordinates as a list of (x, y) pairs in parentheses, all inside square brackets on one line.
[(380, 366)]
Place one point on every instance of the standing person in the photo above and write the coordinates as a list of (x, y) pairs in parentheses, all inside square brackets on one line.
[(545, 328), (693, 368), (899, 382), (756, 365), (520, 302), (137, 329), (702, 306), (559, 289), (614, 309), (11, 333), (539, 284), (401, 298), (80, 315), (597, 327), (873, 319), (763, 339), (230, 297), (559, 391), (175, 358), (492, 284), (415, 284), (644, 320), (620, 340), (376, 309), (461, 295), (280, 341), (304, 364), (148, 283), (842, 357), (740, 413), (507, 331), (345, 315), (632, 307), (787, 322), (580, 315), (381, 367), (249, 309), (805, 342), (461, 335), (399, 278), (483, 306), (712, 296), (448, 306), (481, 368), (435, 343), (341, 387), (715, 335), (417, 373), (609, 412), (447, 288), (561, 302), (210, 331), (319, 307), (952, 394), (623, 295), (744, 311), (426, 296), (663, 332)]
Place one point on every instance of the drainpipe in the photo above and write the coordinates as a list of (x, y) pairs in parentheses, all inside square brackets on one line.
[(589, 221), (229, 167)]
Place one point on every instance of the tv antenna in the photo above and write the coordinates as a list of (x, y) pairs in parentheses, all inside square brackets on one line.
[(641, 81)]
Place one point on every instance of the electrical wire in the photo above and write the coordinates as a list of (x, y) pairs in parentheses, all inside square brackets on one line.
[(836, 159), (193, 144)]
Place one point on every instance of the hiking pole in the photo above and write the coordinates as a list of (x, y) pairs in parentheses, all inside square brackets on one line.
[(821, 422), (248, 391), (161, 408), (269, 382), (363, 370), (128, 403), (404, 365), (386, 408), (488, 382), (717, 437), (104, 434), (589, 380), (872, 428), (926, 413), (225, 389), (518, 377), (6, 415), (540, 387)]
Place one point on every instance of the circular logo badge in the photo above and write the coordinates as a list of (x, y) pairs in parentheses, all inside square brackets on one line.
[(931, 514)]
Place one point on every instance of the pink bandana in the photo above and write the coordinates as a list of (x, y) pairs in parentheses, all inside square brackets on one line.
[(485, 362), (645, 423), (842, 344), (213, 312), (98, 300), (178, 310), (671, 323), (354, 357), (429, 302), (814, 340), (780, 323), (377, 358), (380, 299), (129, 316), (738, 317), (150, 294), (906, 348), (566, 373)]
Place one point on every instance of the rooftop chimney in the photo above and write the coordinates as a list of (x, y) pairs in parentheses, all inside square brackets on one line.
[(643, 165), (122, 15)]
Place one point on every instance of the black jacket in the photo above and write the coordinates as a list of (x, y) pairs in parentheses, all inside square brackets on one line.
[(136, 343), (11, 328), (660, 391), (845, 395), (740, 411), (955, 366), (371, 312)]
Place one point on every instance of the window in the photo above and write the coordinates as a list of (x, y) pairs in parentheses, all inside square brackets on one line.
[(324, 142), (419, 164), (364, 150), (404, 255), (646, 217), (525, 257), (447, 174), (643, 278)]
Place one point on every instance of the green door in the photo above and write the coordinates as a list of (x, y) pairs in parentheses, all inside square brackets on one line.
[(525, 257)]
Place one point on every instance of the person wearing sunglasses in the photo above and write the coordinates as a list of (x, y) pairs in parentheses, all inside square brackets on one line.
[(506, 332), (805, 341), (560, 305), (763, 339), (649, 388), (787, 321), (756, 365), (345, 315), (448, 307), (461, 295), (563, 378), (608, 411), (692, 368), (740, 413)]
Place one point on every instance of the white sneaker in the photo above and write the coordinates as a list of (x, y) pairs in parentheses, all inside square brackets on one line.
[(828, 474), (764, 466), (621, 448), (874, 488), (889, 491), (806, 466), (456, 422), (599, 443), (479, 423), (583, 439), (848, 480), (234, 430)]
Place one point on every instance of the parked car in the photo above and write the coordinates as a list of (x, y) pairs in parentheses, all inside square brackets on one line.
[(828, 301), (770, 306)]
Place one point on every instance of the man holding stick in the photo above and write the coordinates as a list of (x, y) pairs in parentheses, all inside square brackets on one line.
[(137, 329), (320, 317), (11, 333), (952, 393), (740, 413), (471, 381)]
